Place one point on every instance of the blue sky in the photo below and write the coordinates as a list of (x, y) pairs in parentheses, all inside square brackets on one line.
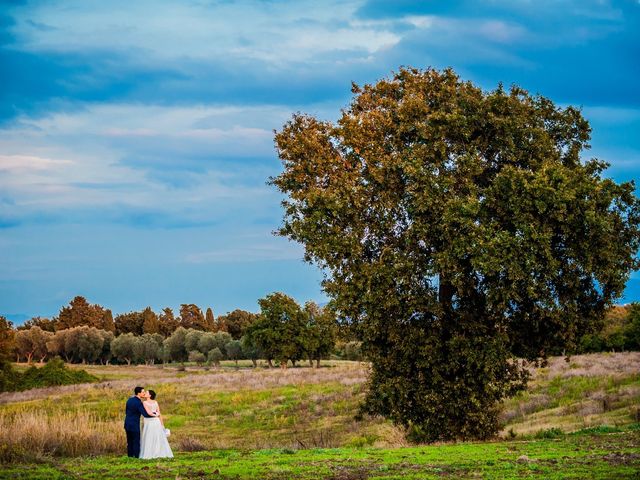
[(136, 137)]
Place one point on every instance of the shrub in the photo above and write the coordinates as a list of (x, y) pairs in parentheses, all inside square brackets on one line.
[(549, 433), (52, 374)]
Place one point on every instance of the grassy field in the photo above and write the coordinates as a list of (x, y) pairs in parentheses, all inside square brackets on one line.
[(299, 423), (602, 456)]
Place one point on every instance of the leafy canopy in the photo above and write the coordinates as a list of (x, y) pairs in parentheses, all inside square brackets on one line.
[(459, 229)]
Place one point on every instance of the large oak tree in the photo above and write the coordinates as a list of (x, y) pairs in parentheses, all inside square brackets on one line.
[(461, 230)]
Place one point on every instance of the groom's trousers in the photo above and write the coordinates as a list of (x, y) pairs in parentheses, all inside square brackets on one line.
[(133, 443)]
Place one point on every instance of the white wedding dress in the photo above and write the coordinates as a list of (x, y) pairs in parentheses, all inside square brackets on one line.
[(153, 443)]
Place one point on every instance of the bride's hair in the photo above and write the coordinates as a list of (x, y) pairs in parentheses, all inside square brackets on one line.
[(152, 394)]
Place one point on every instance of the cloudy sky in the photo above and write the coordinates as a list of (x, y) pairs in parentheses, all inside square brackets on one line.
[(136, 137)]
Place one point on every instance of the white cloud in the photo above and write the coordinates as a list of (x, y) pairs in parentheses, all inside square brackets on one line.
[(276, 32), (122, 161), (25, 163), (249, 253)]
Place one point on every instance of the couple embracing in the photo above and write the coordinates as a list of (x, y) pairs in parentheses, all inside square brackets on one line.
[(153, 443)]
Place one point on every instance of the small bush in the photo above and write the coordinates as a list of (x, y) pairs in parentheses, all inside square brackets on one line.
[(549, 433), (54, 373), (361, 441)]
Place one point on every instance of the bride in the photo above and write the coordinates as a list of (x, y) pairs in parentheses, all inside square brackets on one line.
[(153, 443)]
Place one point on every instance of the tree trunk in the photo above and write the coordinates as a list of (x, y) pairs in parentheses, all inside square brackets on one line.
[(29, 357), (255, 363), (270, 363), (311, 362), (317, 363), (445, 292)]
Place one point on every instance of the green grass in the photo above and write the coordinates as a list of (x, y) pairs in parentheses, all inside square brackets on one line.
[(577, 420), (601, 456)]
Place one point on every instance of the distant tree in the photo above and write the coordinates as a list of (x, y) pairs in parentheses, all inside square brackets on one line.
[(462, 229), (45, 324), (352, 351), (320, 335), (167, 322), (123, 347), (150, 322), (107, 323), (174, 346), (280, 329), (25, 347), (197, 357), (214, 356), (207, 342), (32, 344), (631, 332), (56, 345), (7, 340), (131, 322), (222, 339), (105, 353), (40, 338), (209, 321), (148, 348), (78, 313), (8, 375), (87, 343), (219, 324), (234, 350), (192, 339), (192, 317), (237, 322), (250, 350)]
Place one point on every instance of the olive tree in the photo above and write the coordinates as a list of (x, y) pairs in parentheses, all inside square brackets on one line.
[(123, 347), (459, 229), (174, 346), (32, 343), (214, 356)]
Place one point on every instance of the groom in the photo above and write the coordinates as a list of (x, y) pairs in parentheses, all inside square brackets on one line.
[(133, 411)]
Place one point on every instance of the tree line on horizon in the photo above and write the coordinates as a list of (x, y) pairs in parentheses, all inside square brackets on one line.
[(282, 332), (79, 312)]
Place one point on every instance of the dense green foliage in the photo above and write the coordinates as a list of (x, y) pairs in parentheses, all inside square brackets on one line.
[(620, 331), (286, 332), (53, 373), (460, 229)]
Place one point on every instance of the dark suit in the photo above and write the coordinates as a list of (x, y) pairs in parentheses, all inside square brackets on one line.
[(133, 411)]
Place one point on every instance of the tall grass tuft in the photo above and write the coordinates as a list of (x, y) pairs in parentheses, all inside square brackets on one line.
[(35, 435)]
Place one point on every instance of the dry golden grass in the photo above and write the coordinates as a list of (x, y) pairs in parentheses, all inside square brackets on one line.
[(585, 391), (35, 434)]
